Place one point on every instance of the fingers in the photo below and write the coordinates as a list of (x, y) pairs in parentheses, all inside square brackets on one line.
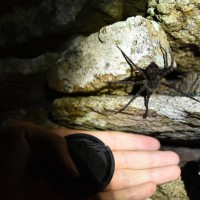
[(14, 157), (49, 149), (144, 159), (138, 192), (139, 164), (118, 140), (128, 178)]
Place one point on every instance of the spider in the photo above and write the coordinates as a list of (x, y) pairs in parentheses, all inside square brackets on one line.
[(151, 81)]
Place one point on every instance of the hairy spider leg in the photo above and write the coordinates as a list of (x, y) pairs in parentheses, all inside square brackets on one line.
[(133, 98), (146, 103), (172, 59), (167, 69), (165, 57), (187, 95), (131, 63)]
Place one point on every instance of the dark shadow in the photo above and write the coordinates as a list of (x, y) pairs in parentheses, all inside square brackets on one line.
[(191, 179)]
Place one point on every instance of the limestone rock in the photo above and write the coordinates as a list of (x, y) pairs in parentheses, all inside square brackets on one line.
[(90, 62), (173, 191), (181, 21), (174, 119)]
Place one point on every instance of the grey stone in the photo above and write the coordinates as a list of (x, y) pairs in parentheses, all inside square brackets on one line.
[(190, 83), (90, 62), (170, 118)]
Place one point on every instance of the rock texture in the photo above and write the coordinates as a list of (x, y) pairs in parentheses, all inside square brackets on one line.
[(190, 83), (174, 119), (173, 191), (181, 21), (90, 62)]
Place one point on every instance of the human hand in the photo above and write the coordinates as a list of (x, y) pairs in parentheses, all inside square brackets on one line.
[(32, 159), (139, 164)]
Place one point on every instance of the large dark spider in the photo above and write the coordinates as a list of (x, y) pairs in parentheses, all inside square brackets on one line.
[(152, 76)]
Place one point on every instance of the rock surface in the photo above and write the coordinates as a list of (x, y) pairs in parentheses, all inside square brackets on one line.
[(173, 191), (174, 119), (90, 62), (190, 83), (181, 21)]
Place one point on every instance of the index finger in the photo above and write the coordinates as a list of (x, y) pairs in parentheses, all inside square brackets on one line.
[(118, 140)]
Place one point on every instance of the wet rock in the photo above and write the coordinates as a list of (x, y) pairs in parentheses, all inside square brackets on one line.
[(180, 20), (89, 63)]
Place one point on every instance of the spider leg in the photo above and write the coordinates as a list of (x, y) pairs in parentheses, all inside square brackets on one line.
[(146, 103), (133, 98), (172, 60), (167, 69), (165, 57), (131, 63), (187, 95)]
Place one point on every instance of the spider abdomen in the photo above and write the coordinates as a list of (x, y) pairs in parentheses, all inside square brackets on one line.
[(152, 71), (153, 85)]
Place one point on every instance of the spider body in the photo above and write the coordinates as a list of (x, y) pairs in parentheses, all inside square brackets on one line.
[(150, 79)]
